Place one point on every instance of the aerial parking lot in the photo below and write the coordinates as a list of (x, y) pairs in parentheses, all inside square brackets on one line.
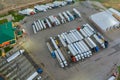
[(97, 67)]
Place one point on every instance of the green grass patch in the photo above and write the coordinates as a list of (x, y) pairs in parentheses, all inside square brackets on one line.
[(6, 49), (3, 21), (17, 17)]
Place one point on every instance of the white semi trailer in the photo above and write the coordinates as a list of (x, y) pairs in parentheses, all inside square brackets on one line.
[(43, 24), (66, 16), (80, 51), (62, 57), (100, 41), (77, 12), (76, 52), (36, 27), (63, 20), (34, 30), (59, 59), (53, 42), (73, 52), (62, 41), (83, 33), (70, 15), (48, 23)]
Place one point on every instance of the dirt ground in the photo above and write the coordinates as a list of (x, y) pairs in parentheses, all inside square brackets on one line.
[(110, 3), (8, 3)]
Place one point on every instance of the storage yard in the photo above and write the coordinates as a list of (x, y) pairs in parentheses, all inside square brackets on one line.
[(81, 63), (14, 67), (77, 45)]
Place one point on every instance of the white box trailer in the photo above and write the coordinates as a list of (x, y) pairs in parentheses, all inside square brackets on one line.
[(66, 38), (34, 30), (59, 59), (74, 36), (88, 34), (15, 55), (62, 41), (43, 24), (70, 15), (53, 42), (100, 41), (48, 23), (89, 44), (39, 24), (62, 36), (80, 51), (88, 31), (32, 76), (79, 34), (88, 49), (39, 27), (71, 38), (62, 57), (36, 27), (58, 22), (112, 78), (90, 28), (76, 52), (66, 16), (92, 44), (85, 51), (91, 41), (49, 47), (51, 19), (63, 20), (73, 52), (83, 33), (77, 12), (77, 49)]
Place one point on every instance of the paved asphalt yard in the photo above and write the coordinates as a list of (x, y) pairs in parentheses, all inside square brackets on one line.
[(97, 67)]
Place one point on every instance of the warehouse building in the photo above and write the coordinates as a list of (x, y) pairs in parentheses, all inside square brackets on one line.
[(7, 35), (105, 20)]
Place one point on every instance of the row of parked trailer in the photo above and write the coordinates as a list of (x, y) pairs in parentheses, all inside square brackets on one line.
[(44, 8), (52, 20), (80, 44)]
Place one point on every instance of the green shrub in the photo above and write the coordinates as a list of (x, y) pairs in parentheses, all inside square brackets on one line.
[(0, 53), (7, 49), (3, 21)]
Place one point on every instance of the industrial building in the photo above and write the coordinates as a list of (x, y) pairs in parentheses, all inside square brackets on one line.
[(7, 35), (105, 20)]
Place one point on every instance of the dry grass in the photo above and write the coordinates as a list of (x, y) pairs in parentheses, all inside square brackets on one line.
[(11, 3), (111, 3)]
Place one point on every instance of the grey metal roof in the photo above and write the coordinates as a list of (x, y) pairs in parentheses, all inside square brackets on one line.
[(104, 20)]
